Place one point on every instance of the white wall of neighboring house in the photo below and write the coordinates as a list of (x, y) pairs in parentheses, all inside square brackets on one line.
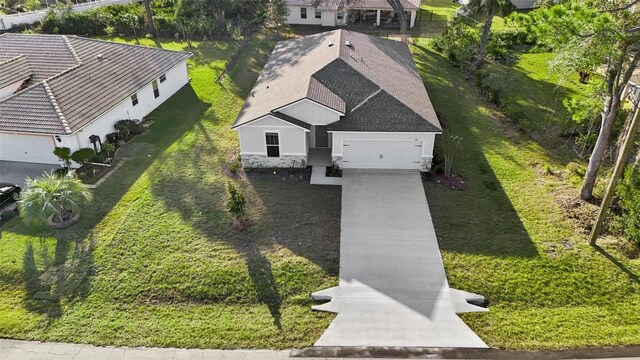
[(10, 89), (176, 79), (31, 148), (294, 16), (311, 112)]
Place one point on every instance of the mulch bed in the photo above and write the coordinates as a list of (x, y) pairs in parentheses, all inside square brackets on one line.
[(453, 182)]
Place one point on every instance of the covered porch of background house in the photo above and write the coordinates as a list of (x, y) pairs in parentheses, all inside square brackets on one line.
[(379, 18)]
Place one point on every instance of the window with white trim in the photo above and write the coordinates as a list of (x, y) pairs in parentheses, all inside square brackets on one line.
[(134, 99), (318, 14), (163, 78), (156, 91), (303, 13), (273, 144)]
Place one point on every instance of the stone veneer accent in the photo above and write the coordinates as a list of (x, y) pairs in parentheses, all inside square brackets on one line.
[(425, 164), (284, 161)]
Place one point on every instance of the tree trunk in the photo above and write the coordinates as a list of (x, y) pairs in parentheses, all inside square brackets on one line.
[(484, 40), (151, 29), (616, 79), (402, 16), (595, 160)]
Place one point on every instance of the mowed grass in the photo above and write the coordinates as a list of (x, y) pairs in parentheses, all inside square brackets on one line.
[(502, 237), (154, 261)]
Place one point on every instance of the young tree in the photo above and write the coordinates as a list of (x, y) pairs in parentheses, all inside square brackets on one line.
[(236, 203), (64, 154), (50, 195), (489, 8), (588, 35)]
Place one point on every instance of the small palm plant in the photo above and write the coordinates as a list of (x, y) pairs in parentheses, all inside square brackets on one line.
[(51, 198)]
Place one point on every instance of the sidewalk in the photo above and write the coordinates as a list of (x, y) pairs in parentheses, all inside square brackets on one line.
[(33, 350)]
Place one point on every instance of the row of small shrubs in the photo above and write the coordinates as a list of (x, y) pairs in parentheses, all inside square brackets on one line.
[(627, 207)]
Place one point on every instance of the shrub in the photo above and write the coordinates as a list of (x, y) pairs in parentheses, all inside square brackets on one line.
[(83, 156), (7, 215), (460, 41), (236, 202), (123, 127), (109, 148), (136, 129), (100, 157), (235, 165), (64, 154)]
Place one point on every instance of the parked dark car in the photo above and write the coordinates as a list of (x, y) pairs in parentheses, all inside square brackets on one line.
[(9, 193)]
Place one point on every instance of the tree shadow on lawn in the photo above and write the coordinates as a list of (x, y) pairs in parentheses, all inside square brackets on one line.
[(480, 219), (289, 215), (67, 276), (632, 276)]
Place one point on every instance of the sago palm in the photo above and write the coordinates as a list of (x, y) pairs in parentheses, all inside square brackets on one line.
[(489, 8), (52, 195)]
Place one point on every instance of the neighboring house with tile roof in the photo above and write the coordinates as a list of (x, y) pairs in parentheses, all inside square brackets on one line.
[(341, 12), (339, 97), (59, 90)]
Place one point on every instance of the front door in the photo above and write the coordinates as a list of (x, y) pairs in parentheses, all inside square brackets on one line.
[(322, 137)]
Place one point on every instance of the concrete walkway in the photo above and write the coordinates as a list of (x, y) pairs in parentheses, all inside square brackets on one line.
[(32, 350), (393, 289)]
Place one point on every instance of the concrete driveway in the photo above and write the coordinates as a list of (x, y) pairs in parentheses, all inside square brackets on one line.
[(17, 172), (393, 289)]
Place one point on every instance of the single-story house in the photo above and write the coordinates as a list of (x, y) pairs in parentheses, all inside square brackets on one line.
[(341, 13), (60, 90), (356, 99)]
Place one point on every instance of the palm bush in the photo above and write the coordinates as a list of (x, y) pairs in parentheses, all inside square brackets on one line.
[(52, 196)]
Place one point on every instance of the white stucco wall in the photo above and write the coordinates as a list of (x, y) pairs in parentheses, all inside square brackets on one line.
[(252, 137), (294, 16), (176, 79), (311, 112), (10, 89)]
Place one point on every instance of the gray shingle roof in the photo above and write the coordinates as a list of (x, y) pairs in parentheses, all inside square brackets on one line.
[(375, 78), (14, 70), (79, 86)]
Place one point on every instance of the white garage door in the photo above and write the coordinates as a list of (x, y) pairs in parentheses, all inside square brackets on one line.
[(381, 154), (27, 148)]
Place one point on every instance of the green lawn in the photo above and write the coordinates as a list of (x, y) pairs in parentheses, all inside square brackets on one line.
[(502, 236), (155, 262)]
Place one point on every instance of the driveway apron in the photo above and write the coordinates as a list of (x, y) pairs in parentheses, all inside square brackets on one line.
[(393, 289)]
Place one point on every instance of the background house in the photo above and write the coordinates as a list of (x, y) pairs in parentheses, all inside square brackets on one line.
[(335, 13), (339, 97), (59, 90)]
